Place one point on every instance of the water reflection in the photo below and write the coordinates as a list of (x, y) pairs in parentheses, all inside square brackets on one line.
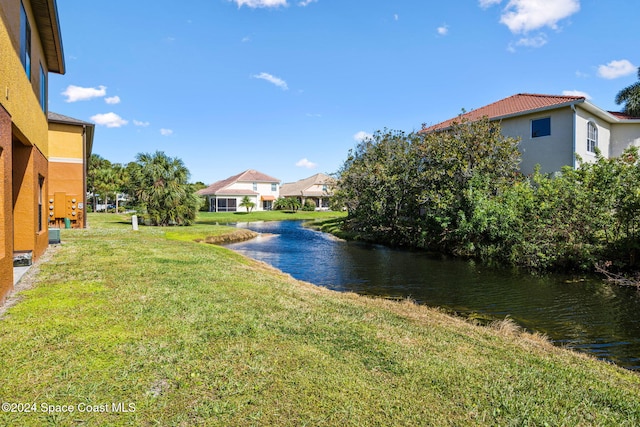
[(589, 316)]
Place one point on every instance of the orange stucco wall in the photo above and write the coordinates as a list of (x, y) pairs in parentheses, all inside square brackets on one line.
[(66, 177), (6, 227), (30, 231), (67, 169)]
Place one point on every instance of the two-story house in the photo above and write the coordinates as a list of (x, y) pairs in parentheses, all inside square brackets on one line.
[(70, 145), (553, 129), (227, 195), (30, 49)]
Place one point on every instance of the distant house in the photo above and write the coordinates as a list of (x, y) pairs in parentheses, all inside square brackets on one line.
[(70, 145), (226, 195), (553, 129), (318, 188)]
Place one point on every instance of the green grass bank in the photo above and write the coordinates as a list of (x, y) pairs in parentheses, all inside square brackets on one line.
[(147, 328)]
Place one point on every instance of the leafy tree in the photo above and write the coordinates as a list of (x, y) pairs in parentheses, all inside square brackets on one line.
[(378, 184), (423, 190), (247, 203), (162, 191), (630, 96), (457, 168)]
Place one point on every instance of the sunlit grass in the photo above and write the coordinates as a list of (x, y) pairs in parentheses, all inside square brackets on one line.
[(233, 217), (195, 334)]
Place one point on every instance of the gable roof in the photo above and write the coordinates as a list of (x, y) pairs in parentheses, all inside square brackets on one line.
[(522, 103), (250, 175), (301, 187), (527, 103)]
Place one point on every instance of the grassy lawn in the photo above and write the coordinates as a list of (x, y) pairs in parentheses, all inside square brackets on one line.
[(181, 333), (231, 217)]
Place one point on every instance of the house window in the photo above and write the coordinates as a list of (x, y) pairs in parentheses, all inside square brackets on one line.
[(324, 188), (25, 41), (40, 201), (592, 137), (43, 89), (226, 205), (274, 187), (541, 127), (255, 186)]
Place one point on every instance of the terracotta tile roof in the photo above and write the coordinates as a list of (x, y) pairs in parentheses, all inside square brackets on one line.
[(623, 116), (301, 187), (250, 175), (513, 105)]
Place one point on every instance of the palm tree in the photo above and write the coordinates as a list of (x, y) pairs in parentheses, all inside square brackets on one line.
[(288, 203), (95, 174), (630, 96), (161, 187), (247, 203), (106, 183)]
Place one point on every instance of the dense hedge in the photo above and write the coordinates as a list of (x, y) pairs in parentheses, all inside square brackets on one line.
[(460, 192)]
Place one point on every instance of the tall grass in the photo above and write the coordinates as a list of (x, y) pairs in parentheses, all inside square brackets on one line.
[(193, 334)]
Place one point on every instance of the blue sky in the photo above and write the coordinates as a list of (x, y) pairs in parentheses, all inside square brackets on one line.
[(288, 86)]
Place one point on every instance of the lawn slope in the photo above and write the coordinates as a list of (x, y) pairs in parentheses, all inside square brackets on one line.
[(182, 333)]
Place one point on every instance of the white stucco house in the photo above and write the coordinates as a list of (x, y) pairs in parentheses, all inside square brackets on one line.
[(553, 129), (227, 195), (318, 188)]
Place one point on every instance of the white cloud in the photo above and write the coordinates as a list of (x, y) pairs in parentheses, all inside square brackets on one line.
[(576, 93), (246, 39), (272, 79), (522, 16), (537, 41), (306, 2), (305, 163), (362, 136), (487, 3), (615, 69), (396, 17), (112, 100), (110, 120), (166, 132), (443, 30), (77, 93), (260, 3), (141, 124)]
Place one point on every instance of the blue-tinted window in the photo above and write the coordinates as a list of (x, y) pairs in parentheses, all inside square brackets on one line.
[(43, 89), (274, 187), (25, 41), (541, 127)]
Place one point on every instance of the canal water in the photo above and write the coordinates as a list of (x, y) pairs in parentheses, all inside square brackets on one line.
[(585, 315)]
